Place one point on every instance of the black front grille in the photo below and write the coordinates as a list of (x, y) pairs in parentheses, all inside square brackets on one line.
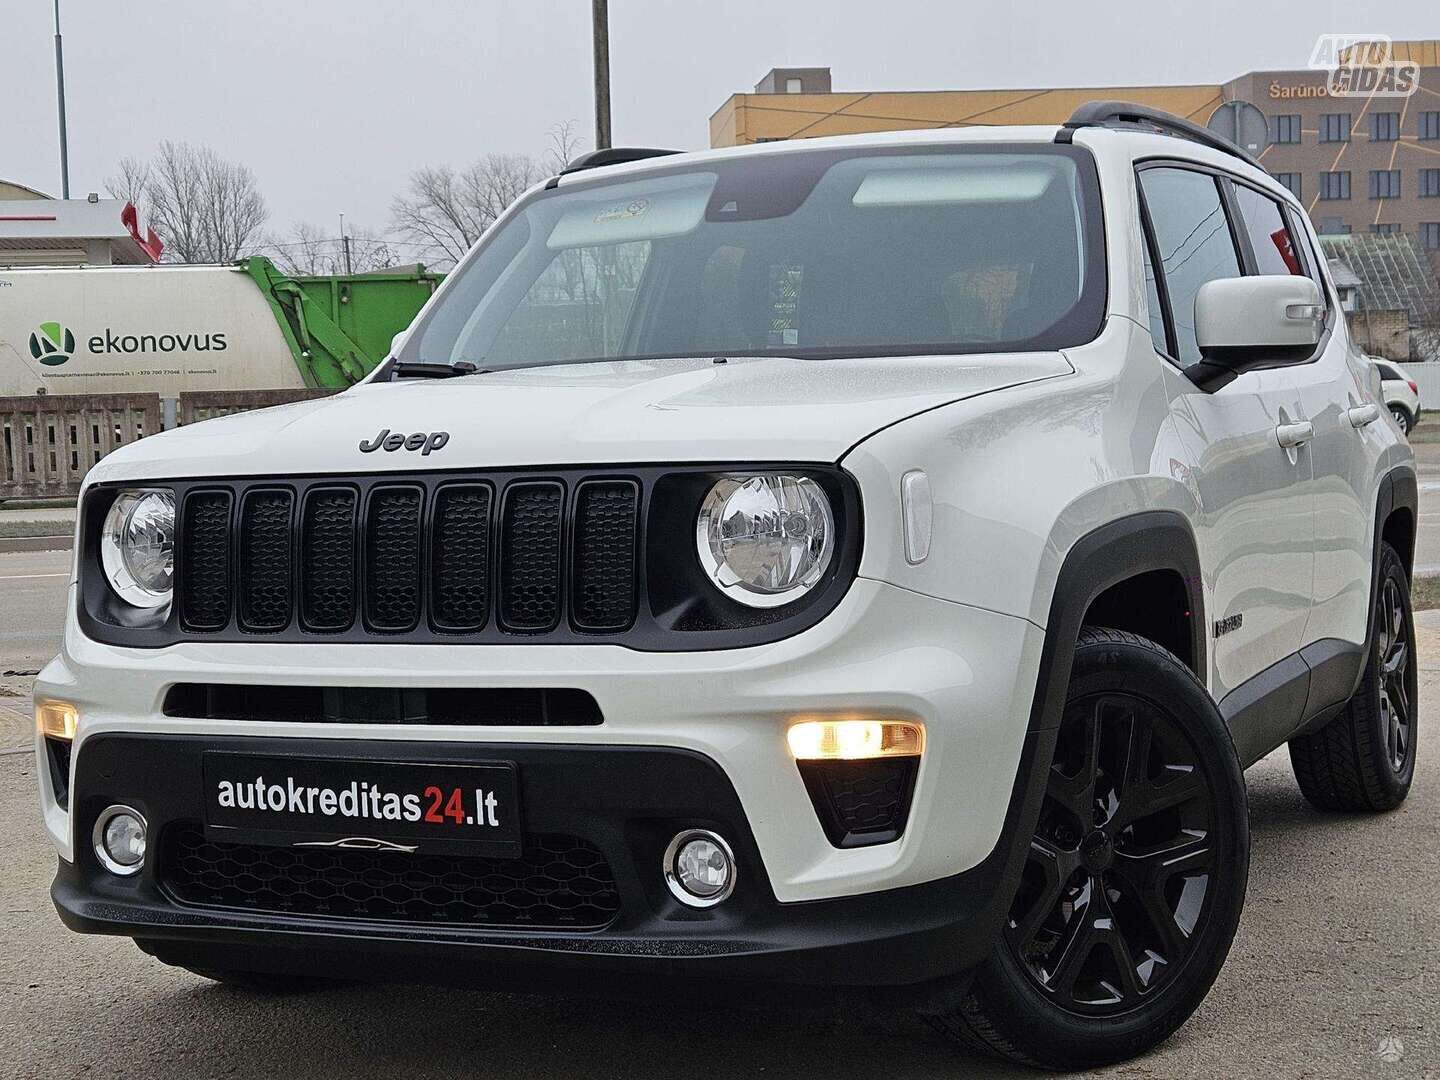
[(265, 550), (392, 558), (460, 545), (204, 587), (605, 554), (327, 559), (530, 556), (559, 882), (516, 557)]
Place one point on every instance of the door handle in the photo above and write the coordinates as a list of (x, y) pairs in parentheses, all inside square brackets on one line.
[(1293, 435), (1362, 415)]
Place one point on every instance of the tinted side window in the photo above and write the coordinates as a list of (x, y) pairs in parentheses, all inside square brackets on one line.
[(1193, 238), (1270, 238)]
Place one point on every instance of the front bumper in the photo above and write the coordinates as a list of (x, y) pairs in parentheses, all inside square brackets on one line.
[(626, 802), (923, 906)]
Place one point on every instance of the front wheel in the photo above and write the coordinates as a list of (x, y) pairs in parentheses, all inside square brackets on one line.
[(1136, 876)]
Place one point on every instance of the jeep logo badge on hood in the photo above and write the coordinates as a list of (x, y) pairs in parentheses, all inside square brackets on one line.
[(424, 441)]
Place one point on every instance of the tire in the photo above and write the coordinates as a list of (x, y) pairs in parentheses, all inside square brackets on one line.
[(1164, 861), (259, 982), (1364, 759), (1403, 418)]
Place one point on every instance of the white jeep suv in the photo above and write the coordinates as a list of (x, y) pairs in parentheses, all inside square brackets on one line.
[(858, 564)]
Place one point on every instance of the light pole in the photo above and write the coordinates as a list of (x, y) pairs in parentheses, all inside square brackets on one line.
[(600, 31), (60, 95)]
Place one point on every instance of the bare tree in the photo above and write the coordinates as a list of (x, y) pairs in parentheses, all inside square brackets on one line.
[(205, 208), (130, 182), (307, 250), (564, 146), (445, 211)]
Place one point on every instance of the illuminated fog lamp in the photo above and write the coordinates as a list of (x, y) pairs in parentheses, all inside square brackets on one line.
[(56, 720), (855, 740)]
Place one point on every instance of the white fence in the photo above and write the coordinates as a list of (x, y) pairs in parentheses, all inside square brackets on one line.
[(1427, 378)]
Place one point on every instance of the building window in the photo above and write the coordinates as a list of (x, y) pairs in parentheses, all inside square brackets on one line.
[(1430, 235), (1384, 183), (793, 86), (1430, 125), (1384, 126), (1285, 129), (1290, 180), (1430, 183), (1385, 228), (1335, 127), (1333, 226), (1334, 185)]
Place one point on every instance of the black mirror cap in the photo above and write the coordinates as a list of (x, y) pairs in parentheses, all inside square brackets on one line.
[(1221, 365)]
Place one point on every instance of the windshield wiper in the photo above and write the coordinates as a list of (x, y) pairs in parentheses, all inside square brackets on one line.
[(411, 369)]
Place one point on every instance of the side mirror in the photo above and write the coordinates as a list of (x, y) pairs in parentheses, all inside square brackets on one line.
[(396, 342), (1246, 323)]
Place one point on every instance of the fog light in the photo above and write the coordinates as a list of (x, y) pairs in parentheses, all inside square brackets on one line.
[(699, 868), (56, 719), (120, 840), (855, 740)]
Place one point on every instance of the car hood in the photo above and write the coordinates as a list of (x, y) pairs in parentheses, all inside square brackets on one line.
[(750, 409)]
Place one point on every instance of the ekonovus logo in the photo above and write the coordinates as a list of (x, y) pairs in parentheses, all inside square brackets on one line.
[(52, 344)]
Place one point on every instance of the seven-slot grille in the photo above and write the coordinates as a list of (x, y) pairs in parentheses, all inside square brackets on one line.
[(517, 558)]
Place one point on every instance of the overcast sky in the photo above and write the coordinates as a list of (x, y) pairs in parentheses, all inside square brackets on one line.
[(333, 102)]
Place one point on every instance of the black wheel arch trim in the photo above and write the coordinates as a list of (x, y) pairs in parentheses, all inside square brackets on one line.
[(1399, 490), (1121, 549), (1138, 543)]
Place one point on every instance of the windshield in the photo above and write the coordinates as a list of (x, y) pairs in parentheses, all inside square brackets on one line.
[(814, 253)]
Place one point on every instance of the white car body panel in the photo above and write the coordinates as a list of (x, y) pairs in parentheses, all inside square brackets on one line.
[(636, 411), (1025, 453)]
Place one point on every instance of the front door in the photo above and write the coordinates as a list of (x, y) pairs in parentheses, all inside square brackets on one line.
[(1248, 442)]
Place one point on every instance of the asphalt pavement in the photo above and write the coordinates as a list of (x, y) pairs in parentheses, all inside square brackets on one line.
[(1335, 971)]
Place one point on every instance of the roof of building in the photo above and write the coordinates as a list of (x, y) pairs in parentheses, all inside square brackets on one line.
[(1344, 277), (65, 224), (1393, 271), (13, 189)]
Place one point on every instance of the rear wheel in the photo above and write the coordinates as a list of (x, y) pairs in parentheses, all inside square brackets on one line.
[(1136, 874), (1364, 759), (1402, 417)]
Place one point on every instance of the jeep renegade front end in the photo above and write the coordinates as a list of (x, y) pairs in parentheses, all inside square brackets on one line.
[(861, 563)]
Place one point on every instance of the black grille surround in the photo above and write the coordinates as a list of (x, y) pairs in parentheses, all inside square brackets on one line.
[(564, 556)]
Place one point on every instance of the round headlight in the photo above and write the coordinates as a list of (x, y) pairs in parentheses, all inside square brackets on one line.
[(765, 540), (137, 547)]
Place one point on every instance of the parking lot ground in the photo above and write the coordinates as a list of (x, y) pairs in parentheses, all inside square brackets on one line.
[(1335, 971)]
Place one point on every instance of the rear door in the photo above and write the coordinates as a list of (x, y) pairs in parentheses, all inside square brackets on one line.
[(1348, 442), (1256, 531)]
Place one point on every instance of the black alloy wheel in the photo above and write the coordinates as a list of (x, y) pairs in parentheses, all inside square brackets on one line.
[(1395, 656), (1364, 758), (1120, 867), (1134, 877)]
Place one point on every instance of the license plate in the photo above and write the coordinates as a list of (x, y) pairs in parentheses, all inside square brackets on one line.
[(335, 802)]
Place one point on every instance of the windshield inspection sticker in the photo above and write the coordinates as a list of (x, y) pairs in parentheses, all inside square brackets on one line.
[(631, 210)]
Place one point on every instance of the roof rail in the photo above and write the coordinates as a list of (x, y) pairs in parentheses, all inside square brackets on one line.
[(615, 155), (1127, 113)]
